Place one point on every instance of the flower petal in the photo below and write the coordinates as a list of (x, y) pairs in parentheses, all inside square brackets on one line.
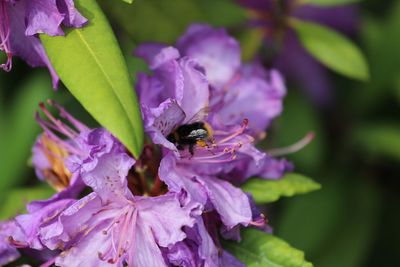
[(28, 48), (43, 17), (255, 97), (146, 252), (230, 202), (31, 223), (180, 178), (165, 216), (106, 168), (196, 88), (8, 253), (160, 121), (214, 49), (72, 17)]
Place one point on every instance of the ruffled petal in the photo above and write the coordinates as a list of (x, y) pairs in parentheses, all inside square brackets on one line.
[(106, 168), (230, 202), (28, 48), (72, 17), (159, 122), (32, 223), (8, 253), (180, 178), (181, 254), (43, 16), (166, 217), (207, 250), (258, 98), (196, 88), (214, 49)]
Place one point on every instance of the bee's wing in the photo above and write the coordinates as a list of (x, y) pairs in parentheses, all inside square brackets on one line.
[(201, 115), (171, 118)]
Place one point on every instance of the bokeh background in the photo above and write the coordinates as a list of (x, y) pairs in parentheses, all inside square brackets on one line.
[(354, 219)]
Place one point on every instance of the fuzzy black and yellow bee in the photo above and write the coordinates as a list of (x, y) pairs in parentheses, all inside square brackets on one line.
[(189, 135), (194, 132)]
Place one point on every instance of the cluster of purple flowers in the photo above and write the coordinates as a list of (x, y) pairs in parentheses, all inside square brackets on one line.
[(22, 20), (171, 206)]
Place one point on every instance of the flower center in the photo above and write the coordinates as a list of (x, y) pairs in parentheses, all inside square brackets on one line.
[(55, 148), (143, 177), (122, 233), (5, 35), (58, 176), (224, 147)]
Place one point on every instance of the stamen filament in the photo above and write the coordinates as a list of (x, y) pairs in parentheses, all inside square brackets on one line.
[(277, 152), (5, 36)]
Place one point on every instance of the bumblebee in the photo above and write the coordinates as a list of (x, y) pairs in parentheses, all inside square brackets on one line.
[(191, 134)]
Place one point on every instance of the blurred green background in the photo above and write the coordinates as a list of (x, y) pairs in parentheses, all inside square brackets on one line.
[(353, 221)]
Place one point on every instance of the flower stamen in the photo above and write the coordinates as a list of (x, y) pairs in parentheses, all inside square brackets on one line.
[(277, 152), (5, 36)]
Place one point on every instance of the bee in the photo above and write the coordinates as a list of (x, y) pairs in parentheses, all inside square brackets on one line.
[(195, 132)]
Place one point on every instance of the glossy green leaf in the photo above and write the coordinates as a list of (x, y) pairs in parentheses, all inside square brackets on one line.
[(332, 49), (128, 1), (16, 200), (266, 191), (259, 249), (330, 2), (90, 63)]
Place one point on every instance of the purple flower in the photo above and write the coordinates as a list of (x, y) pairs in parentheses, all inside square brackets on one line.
[(293, 60), (50, 154), (203, 80), (111, 226), (225, 85), (199, 249), (240, 101), (171, 206), (22, 20)]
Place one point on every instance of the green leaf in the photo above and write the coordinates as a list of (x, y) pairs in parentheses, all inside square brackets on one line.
[(261, 249), (128, 1), (19, 129), (250, 42), (379, 139), (90, 63), (332, 49), (266, 191), (330, 2), (16, 200)]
